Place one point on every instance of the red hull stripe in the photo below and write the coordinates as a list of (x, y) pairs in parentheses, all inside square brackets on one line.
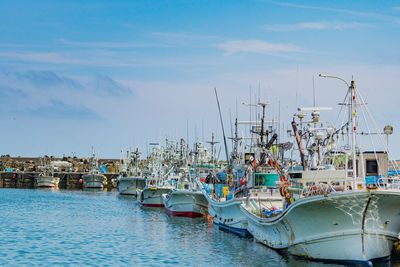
[(190, 214), (152, 205)]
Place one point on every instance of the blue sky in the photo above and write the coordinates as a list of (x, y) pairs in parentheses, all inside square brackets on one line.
[(117, 74)]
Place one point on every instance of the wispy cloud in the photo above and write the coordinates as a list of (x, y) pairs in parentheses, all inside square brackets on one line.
[(102, 58), (57, 109), (257, 46), (36, 82), (325, 8), (42, 79), (7, 93), (352, 12), (104, 84), (396, 8), (185, 38), (317, 25), (88, 58), (41, 57), (154, 40), (110, 45)]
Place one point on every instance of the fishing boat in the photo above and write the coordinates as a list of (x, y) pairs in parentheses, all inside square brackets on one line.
[(130, 178), (329, 210), (46, 178), (156, 182), (186, 200), (185, 203), (94, 179), (151, 194), (227, 189)]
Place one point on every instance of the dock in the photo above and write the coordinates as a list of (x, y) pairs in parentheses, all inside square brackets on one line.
[(68, 180)]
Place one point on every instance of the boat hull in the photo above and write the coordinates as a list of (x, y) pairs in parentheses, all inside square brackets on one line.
[(152, 196), (129, 185), (348, 226), (185, 203), (47, 182), (95, 181), (226, 214)]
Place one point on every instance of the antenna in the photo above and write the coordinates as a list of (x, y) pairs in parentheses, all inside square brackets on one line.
[(202, 131), (231, 124), (297, 85), (313, 88), (212, 143), (187, 131)]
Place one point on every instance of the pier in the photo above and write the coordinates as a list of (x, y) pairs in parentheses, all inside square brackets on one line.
[(68, 180)]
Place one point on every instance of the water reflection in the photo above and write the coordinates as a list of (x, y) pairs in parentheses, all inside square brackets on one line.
[(65, 227)]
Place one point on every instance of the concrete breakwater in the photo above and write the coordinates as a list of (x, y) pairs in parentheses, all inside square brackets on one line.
[(68, 180)]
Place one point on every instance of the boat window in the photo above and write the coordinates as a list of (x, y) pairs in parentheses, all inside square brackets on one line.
[(296, 175), (371, 167)]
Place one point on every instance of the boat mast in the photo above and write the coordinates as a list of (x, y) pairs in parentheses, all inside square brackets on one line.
[(222, 126), (353, 110), (212, 143), (263, 105), (353, 114)]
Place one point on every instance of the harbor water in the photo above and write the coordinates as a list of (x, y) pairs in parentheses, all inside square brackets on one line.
[(50, 228)]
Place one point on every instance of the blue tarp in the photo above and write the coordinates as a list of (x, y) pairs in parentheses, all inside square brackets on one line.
[(219, 190), (221, 176), (103, 168)]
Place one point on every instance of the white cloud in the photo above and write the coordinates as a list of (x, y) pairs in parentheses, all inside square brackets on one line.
[(103, 58), (110, 45), (257, 46), (317, 25), (336, 10)]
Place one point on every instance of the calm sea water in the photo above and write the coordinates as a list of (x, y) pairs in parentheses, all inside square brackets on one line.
[(47, 228)]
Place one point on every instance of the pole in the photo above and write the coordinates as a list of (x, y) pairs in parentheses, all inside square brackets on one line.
[(353, 113), (222, 126)]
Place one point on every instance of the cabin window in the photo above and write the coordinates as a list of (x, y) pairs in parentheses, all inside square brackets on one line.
[(372, 167), (295, 175), (259, 180), (350, 165)]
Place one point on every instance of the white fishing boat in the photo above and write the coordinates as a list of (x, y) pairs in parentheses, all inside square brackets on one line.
[(151, 195), (328, 212), (130, 178), (226, 191), (94, 179), (128, 185), (47, 181), (185, 203), (186, 200), (223, 206), (156, 183), (46, 178)]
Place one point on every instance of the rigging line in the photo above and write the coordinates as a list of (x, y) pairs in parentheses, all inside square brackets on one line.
[(381, 138), (338, 117), (369, 131), (222, 125), (342, 123)]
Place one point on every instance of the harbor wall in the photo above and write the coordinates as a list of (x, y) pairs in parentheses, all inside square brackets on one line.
[(68, 180)]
